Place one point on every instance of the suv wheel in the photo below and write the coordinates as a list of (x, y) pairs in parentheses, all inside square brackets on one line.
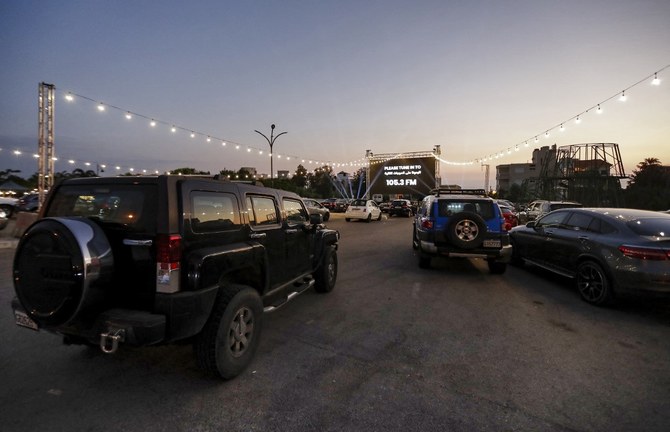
[(227, 343), (466, 230), (326, 276)]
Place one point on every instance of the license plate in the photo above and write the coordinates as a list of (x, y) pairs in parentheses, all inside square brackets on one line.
[(491, 243), (24, 320)]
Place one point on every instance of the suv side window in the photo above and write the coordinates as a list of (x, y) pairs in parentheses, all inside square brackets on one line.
[(212, 211), (295, 212), (262, 211)]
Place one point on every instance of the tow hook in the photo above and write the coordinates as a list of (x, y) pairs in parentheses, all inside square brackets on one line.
[(109, 342)]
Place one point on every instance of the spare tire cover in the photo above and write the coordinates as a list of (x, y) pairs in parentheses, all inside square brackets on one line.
[(61, 267), (466, 230)]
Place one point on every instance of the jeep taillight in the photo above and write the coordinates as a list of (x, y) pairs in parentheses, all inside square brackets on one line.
[(426, 224), (168, 258)]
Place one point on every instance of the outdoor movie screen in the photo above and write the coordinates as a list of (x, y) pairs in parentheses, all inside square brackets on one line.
[(415, 176)]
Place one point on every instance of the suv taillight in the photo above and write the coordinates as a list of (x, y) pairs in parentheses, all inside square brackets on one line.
[(168, 258), (426, 223), (645, 253)]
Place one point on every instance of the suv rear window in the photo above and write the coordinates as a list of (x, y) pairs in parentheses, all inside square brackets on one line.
[(446, 208), (131, 206)]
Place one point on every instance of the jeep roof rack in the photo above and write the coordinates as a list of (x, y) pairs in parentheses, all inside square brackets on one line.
[(438, 191)]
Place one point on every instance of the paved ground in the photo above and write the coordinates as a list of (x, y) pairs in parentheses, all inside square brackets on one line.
[(392, 348)]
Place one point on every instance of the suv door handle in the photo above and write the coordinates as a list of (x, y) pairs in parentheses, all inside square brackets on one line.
[(291, 231), (130, 242), (257, 235)]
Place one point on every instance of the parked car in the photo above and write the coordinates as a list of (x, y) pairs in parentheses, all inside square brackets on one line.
[(541, 207), (363, 209), (4, 220), (461, 223), (152, 260), (605, 250), (385, 206), (29, 203), (329, 203), (340, 205), (315, 207), (511, 219), (401, 207), (8, 205)]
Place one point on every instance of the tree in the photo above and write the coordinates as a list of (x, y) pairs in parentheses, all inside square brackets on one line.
[(300, 177), (649, 186), (189, 171)]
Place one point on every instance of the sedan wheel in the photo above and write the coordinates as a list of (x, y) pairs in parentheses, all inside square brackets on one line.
[(593, 284)]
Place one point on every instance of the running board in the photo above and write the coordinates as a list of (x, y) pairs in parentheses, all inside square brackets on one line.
[(298, 288)]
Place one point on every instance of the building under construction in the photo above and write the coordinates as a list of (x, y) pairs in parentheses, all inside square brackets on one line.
[(587, 173)]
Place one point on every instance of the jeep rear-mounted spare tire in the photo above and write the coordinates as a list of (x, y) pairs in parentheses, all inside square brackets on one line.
[(61, 268)]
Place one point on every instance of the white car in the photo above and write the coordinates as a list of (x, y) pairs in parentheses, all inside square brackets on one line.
[(363, 209)]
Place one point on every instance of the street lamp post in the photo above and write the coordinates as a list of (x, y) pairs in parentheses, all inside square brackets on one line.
[(271, 141)]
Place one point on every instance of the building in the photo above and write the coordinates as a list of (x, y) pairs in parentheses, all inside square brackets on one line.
[(518, 173)]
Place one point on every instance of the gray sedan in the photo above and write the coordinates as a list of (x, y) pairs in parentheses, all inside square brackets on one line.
[(315, 207), (606, 250)]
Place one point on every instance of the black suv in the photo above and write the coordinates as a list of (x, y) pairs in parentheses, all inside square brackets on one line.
[(461, 223), (400, 207), (159, 259)]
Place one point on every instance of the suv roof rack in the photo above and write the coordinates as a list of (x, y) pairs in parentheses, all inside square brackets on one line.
[(438, 191)]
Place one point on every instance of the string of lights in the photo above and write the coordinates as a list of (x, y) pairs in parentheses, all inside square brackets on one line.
[(362, 162), (653, 79), (208, 137)]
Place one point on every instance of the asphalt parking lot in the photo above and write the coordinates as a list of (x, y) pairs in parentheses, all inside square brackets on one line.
[(393, 347)]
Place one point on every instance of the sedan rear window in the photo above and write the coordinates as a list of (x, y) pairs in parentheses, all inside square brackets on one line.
[(650, 227), (358, 203)]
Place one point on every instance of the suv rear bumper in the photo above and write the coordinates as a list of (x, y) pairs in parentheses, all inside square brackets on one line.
[(504, 254), (187, 313)]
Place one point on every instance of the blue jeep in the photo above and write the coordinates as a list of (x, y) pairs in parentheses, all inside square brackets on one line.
[(461, 223)]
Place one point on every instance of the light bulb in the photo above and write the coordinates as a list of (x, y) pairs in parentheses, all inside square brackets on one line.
[(152, 123), (578, 120), (69, 97), (562, 129), (129, 116), (101, 107), (599, 110), (656, 81), (174, 129), (622, 98)]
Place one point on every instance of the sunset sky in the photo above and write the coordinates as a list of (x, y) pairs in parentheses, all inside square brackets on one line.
[(478, 78)]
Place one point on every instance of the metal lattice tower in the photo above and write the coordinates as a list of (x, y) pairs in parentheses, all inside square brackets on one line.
[(589, 173), (45, 147)]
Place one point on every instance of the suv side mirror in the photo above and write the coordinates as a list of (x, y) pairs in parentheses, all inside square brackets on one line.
[(315, 219)]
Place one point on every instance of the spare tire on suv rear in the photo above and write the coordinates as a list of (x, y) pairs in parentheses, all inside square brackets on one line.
[(61, 268), (466, 230)]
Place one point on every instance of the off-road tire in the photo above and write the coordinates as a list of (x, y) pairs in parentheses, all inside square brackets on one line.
[(326, 275), (226, 345), (466, 230)]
